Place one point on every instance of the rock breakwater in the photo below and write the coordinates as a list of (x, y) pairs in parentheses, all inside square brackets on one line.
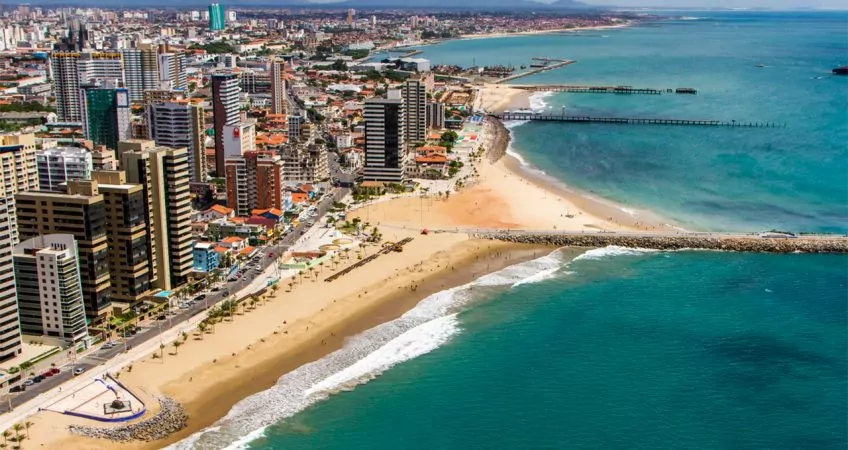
[(171, 418), (735, 244)]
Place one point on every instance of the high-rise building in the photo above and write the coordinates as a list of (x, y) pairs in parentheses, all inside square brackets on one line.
[(19, 170), (101, 66), (435, 115), (255, 82), (10, 329), (106, 114), (141, 69), (65, 68), (131, 248), (180, 124), (415, 102), (82, 213), (58, 165), (295, 121), (279, 96), (254, 181), (217, 17), (49, 286), (172, 70), (225, 111), (385, 147), (72, 69), (239, 138), (164, 174)]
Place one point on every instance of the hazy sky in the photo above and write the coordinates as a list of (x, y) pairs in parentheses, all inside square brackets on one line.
[(841, 4)]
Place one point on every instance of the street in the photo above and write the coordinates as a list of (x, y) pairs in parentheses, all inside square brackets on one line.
[(153, 329)]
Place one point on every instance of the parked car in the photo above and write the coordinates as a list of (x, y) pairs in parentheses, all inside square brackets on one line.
[(28, 383), (38, 379), (79, 371), (56, 370), (216, 288), (18, 388), (200, 298)]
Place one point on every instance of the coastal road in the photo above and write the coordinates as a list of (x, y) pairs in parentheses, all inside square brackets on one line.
[(153, 330)]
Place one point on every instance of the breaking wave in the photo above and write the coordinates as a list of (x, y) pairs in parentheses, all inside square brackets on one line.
[(611, 251), (428, 326)]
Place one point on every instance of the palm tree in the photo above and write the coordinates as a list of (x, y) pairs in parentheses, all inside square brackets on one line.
[(201, 327), (300, 273), (6, 435), (17, 428), (321, 266), (176, 345), (184, 336), (28, 424), (311, 271), (161, 351), (291, 286)]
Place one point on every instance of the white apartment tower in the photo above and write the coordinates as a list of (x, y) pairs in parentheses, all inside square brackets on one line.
[(225, 111), (385, 146), (70, 69), (58, 165), (141, 69), (279, 97), (49, 288)]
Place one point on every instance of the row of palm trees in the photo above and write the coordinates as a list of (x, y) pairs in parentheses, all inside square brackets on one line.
[(14, 439)]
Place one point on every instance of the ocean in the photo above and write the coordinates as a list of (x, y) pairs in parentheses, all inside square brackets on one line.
[(614, 347)]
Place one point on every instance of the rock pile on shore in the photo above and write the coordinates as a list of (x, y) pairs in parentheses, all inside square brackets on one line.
[(500, 140), (170, 419), (736, 244)]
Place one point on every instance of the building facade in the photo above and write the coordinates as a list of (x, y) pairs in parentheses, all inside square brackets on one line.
[(225, 111), (279, 95), (385, 147), (217, 17), (435, 115), (180, 124), (49, 286), (206, 258), (65, 68), (106, 114), (131, 250), (164, 174), (58, 165), (254, 181), (10, 329), (415, 102), (141, 70), (18, 171), (80, 212)]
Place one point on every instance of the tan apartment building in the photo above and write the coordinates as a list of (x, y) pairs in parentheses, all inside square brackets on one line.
[(80, 212), (164, 174), (131, 251), (18, 170)]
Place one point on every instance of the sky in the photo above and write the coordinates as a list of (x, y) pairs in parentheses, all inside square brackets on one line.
[(773, 4)]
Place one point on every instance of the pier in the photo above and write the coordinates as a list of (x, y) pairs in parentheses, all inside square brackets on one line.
[(556, 65), (681, 241), (602, 89), (631, 120)]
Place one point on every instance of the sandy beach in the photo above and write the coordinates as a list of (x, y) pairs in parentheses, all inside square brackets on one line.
[(212, 372), (532, 32)]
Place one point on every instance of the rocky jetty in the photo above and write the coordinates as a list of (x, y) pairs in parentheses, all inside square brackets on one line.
[(171, 418), (671, 242)]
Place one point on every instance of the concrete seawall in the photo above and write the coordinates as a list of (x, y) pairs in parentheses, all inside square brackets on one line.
[(736, 244)]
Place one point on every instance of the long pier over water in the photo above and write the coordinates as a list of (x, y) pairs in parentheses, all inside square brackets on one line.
[(580, 88), (630, 120), (665, 241)]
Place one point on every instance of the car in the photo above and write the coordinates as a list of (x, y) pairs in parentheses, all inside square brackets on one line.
[(56, 370), (226, 292), (200, 298), (38, 379), (184, 306), (18, 388), (48, 374), (28, 383), (161, 317), (216, 288), (79, 371)]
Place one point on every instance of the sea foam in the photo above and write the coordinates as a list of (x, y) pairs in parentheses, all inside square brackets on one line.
[(428, 326), (612, 251)]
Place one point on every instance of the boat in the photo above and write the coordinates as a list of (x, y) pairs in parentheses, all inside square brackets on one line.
[(761, 65), (523, 66), (841, 70)]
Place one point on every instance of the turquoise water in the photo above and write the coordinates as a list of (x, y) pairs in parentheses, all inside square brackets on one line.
[(711, 179), (628, 351), (626, 348)]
